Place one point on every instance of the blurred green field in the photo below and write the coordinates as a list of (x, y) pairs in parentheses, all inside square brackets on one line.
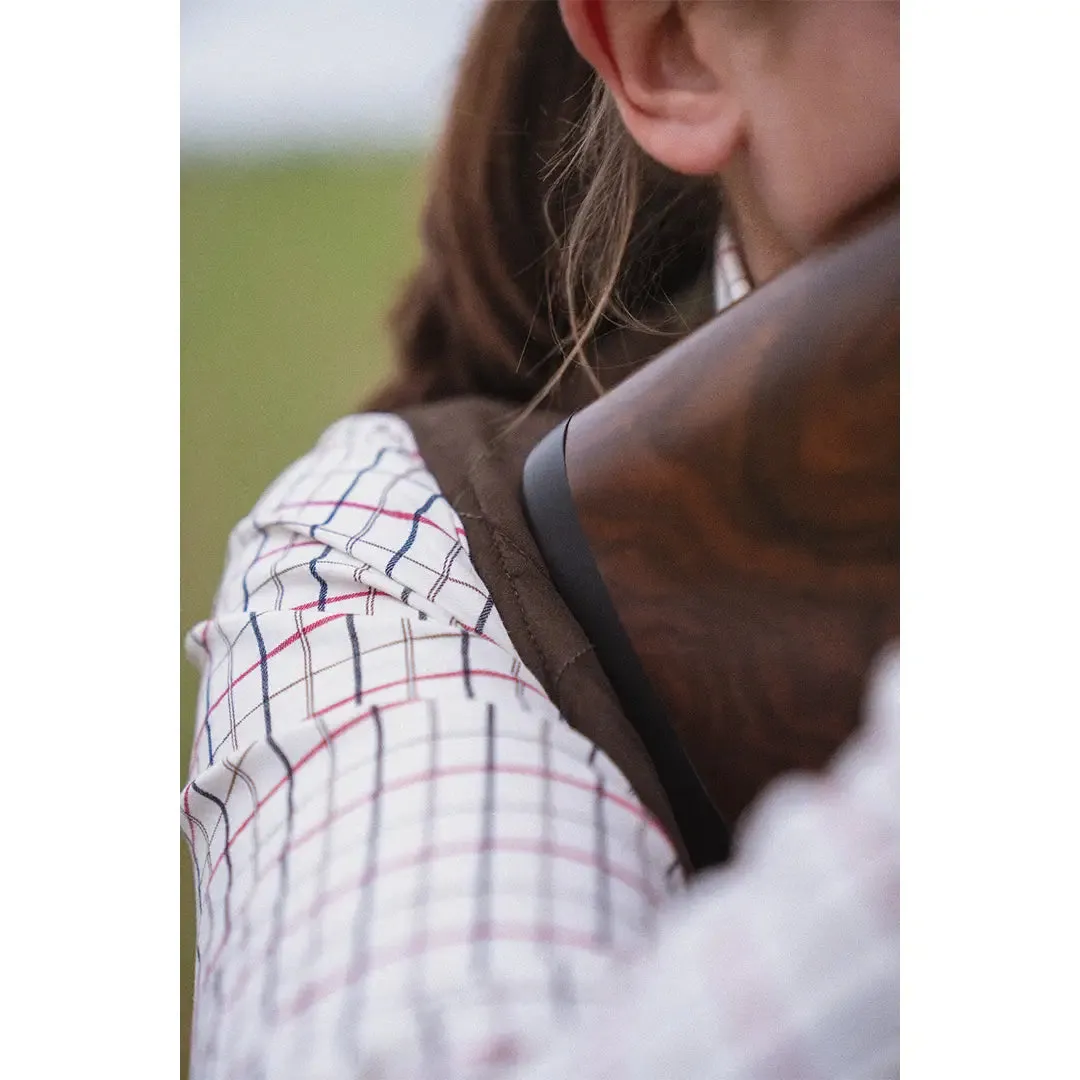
[(287, 270)]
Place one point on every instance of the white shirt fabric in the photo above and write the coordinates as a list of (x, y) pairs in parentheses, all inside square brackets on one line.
[(408, 865)]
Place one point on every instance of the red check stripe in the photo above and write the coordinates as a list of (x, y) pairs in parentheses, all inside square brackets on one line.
[(378, 511)]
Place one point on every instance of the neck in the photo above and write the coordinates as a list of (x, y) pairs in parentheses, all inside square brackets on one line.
[(765, 253), (764, 250)]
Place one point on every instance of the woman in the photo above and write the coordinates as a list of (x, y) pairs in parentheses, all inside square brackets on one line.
[(423, 838)]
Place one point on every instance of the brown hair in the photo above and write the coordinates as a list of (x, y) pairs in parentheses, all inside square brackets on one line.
[(545, 229)]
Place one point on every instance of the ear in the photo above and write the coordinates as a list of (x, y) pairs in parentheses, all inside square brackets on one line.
[(678, 98)]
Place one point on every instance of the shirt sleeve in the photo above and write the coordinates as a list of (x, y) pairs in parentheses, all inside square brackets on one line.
[(784, 965), (405, 860)]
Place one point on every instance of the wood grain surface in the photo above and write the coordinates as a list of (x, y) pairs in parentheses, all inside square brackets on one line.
[(741, 496)]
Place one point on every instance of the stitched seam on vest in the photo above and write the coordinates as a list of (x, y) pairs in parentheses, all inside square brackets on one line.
[(526, 622), (495, 528), (499, 543), (573, 660)]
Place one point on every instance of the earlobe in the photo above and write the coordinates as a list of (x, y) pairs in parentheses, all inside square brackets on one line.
[(695, 137)]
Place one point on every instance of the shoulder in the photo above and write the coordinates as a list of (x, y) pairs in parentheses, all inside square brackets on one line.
[(363, 468), (361, 510), (379, 443)]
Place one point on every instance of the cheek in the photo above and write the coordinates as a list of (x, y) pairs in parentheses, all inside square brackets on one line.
[(830, 117), (824, 162)]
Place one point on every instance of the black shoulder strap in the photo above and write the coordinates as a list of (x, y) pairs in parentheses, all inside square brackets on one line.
[(549, 508)]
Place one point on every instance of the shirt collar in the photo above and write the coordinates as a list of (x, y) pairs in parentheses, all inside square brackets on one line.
[(731, 282)]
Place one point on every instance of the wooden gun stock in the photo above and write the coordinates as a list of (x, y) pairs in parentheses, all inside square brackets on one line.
[(725, 526)]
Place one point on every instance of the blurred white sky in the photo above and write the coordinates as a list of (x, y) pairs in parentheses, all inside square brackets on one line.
[(265, 75)]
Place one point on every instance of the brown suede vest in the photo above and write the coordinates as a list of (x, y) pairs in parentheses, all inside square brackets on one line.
[(478, 465)]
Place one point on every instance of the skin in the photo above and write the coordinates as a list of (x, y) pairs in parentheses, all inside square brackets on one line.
[(793, 106)]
